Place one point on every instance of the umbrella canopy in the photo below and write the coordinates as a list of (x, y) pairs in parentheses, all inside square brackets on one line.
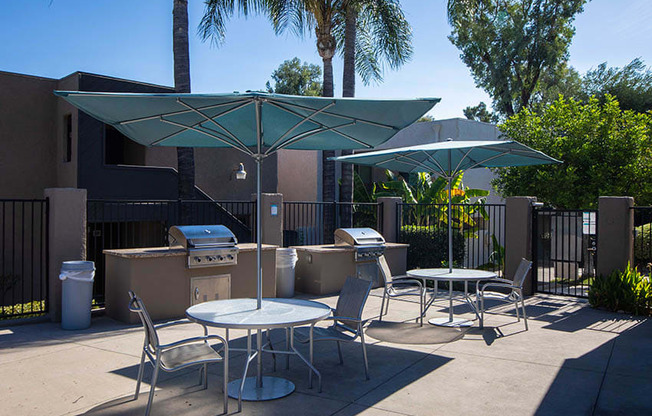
[(247, 121), (450, 158), (255, 123)]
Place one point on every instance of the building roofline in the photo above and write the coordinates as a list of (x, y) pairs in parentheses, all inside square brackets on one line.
[(18, 74), (120, 79)]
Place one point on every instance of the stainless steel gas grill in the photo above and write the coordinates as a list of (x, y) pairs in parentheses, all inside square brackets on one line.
[(368, 245), (207, 245)]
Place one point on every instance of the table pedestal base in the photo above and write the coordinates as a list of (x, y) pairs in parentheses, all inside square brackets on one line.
[(273, 388), (455, 323)]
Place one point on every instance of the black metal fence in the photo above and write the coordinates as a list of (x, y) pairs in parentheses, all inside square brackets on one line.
[(643, 238), (23, 257), (303, 222), (478, 235), (564, 251), (116, 224)]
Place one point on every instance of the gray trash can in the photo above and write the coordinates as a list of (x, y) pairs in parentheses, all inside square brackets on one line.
[(76, 294), (286, 260)]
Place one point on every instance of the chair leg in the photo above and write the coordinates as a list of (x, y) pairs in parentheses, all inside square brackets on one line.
[(518, 315), (271, 347), (225, 380), (364, 355), (287, 348), (205, 376), (524, 314), (382, 306), (141, 370), (153, 386), (481, 312), (339, 352), (422, 300)]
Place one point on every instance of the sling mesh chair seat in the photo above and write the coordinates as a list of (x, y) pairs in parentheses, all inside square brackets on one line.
[(514, 294), (176, 355), (347, 320), (396, 286)]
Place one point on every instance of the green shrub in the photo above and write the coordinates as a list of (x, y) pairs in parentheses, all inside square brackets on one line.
[(429, 247), (643, 245), (627, 291)]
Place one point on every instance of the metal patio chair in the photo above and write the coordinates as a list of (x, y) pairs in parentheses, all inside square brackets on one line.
[(176, 355), (514, 296), (396, 286), (347, 320)]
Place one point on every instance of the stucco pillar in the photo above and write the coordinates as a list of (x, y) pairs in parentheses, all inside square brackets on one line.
[(518, 237), (67, 237), (390, 208), (271, 218), (615, 233)]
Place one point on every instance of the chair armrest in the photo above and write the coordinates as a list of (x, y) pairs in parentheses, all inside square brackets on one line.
[(191, 340), (175, 323), (405, 279), (343, 318), (498, 284)]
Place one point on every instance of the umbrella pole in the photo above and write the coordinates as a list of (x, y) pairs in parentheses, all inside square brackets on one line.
[(450, 229), (259, 265)]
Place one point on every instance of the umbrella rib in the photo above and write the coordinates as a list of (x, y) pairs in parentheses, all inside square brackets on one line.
[(275, 146), (175, 113), (228, 133), (360, 120), (223, 140), (318, 130)]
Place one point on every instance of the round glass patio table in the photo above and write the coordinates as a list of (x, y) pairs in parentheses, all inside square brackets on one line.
[(456, 275), (274, 313)]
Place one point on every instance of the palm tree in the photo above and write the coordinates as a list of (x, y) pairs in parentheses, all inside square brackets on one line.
[(384, 35), (320, 16), (185, 155)]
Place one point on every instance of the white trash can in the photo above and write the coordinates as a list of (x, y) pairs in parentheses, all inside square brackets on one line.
[(76, 293), (286, 260)]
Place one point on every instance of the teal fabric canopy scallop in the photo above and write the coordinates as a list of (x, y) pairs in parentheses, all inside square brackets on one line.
[(452, 157), (239, 120)]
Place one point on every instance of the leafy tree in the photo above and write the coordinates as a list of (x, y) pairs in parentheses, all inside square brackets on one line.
[(295, 78), (508, 44), (631, 85), (564, 80), (480, 113), (425, 119), (606, 151)]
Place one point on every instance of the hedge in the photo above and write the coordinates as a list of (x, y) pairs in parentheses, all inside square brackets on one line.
[(429, 247)]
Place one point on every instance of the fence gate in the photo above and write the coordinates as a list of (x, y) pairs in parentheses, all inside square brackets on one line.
[(23, 257), (564, 250)]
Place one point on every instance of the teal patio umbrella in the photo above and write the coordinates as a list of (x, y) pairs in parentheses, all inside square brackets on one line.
[(257, 124), (450, 158)]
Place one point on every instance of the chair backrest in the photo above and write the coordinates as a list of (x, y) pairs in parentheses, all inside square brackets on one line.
[(521, 272), (351, 301), (383, 267), (151, 338)]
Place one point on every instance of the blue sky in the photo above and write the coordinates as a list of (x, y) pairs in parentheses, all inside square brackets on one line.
[(132, 39)]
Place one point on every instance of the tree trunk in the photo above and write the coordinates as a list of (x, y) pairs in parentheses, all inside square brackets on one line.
[(185, 155), (328, 166), (348, 90)]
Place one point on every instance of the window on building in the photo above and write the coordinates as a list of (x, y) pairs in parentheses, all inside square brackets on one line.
[(67, 138), (120, 150)]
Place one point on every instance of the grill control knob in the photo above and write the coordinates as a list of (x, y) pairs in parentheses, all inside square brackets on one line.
[(230, 257), (198, 259), (220, 258), (210, 258)]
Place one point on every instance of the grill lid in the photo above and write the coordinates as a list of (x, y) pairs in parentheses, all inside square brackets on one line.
[(201, 236), (358, 237)]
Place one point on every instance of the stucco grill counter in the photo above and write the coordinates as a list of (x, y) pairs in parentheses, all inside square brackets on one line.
[(202, 263), (322, 269)]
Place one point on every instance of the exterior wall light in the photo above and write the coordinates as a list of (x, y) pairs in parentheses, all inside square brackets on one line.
[(240, 172)]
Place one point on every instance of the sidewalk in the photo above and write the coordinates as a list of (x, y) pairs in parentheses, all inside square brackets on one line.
[(574, 360)]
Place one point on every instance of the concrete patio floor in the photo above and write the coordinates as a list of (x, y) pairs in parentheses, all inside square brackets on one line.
[(574, 360)]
